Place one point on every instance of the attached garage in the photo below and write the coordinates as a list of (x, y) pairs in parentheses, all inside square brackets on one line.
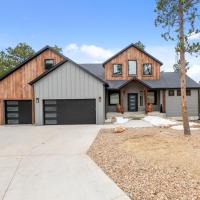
[(69, 94), (69, 111), (18, 112)]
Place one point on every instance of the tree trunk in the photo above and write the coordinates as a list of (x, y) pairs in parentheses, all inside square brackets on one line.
[(183, 70)]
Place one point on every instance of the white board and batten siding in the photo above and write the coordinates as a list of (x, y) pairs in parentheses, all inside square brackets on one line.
[(173, 104), (69, 81)]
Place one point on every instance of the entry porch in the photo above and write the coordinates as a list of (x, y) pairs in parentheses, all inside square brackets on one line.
[(134, 98)]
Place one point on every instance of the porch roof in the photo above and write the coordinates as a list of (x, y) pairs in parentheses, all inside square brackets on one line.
[(171, 80)]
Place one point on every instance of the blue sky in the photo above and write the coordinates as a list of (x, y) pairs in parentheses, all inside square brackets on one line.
[(84, 27)]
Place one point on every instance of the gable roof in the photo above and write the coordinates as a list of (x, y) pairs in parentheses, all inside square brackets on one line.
[(29, 59), (61, 63), (133, 45)]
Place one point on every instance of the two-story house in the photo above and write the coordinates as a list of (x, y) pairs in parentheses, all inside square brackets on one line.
[(71, 93)]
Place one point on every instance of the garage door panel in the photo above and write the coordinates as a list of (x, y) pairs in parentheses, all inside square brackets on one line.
[(18, 112), (70, 111)]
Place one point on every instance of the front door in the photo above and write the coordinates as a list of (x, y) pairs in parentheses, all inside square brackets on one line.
[(132, 102)]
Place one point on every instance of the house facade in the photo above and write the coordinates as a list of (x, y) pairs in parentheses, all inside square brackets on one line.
[(49, 88), (16, 94)]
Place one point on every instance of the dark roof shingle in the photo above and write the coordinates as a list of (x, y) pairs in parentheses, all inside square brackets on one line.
[(167, 79)]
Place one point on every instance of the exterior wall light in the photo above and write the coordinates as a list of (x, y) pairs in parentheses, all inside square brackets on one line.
[(37, 100), (99, 99)]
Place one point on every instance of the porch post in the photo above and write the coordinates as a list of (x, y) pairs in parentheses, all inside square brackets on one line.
[(122, 99), (145, 100), (164, 100)]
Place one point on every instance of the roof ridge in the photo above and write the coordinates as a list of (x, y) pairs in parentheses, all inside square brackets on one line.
[(130, 45)]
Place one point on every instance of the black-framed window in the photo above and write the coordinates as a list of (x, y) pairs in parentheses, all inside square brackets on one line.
[(147, 69), (48, 63), (114, 97), (188, 92), (117, 69), (152, 97), (171, 93), (132, 67), (178, 92)]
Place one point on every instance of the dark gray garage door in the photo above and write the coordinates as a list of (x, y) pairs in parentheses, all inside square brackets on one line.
[(18, 112), (70, 111)]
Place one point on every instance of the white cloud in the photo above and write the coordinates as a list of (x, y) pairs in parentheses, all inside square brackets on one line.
[(194, 36), (87, 53), (194, 72)]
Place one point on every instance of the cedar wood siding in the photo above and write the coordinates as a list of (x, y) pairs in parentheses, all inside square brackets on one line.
[(16, 85), (132, 54)]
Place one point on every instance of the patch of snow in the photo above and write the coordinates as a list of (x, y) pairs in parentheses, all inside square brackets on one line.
[(180, 127), (158, 121), (121, 120)]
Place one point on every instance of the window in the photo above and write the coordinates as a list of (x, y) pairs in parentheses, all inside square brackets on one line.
[(48, 63), (171, 93), (147, 69), (117, 69), (188, 92), (152, 97), (132, 67), (114, 98), (178, 92)]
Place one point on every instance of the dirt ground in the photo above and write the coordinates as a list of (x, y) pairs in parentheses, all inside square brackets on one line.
[(151, 163)]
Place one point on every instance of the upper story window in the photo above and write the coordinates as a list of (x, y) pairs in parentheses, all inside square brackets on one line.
[(117, 69), (147, 69), (48, 63), (132, 67)]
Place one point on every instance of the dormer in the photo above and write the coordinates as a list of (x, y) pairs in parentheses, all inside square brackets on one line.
[(132, 62)]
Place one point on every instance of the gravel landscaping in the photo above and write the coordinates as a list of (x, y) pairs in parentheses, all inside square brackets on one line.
[(150, 163)]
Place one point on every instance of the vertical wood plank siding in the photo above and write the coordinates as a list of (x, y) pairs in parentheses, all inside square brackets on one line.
[(16, 87), (69, 81), (132, 54)]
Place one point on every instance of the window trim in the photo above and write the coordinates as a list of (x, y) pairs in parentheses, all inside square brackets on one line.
[(170, 94), (46, 60), (136, 68), (113, 69), (112, 92), (151, 69)]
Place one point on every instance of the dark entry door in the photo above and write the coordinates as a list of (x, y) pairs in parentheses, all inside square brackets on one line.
[(18, 112), (133, 102), (70, 111)]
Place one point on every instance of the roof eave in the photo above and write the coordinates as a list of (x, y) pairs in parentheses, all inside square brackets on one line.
[(133, 45), (30, 58)]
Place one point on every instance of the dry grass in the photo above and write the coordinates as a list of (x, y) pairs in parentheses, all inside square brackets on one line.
[(151, 163)]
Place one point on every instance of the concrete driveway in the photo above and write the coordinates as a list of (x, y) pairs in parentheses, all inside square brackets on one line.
[(50, 163)]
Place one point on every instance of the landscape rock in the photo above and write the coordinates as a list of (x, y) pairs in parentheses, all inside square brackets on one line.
[(119, 129)]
